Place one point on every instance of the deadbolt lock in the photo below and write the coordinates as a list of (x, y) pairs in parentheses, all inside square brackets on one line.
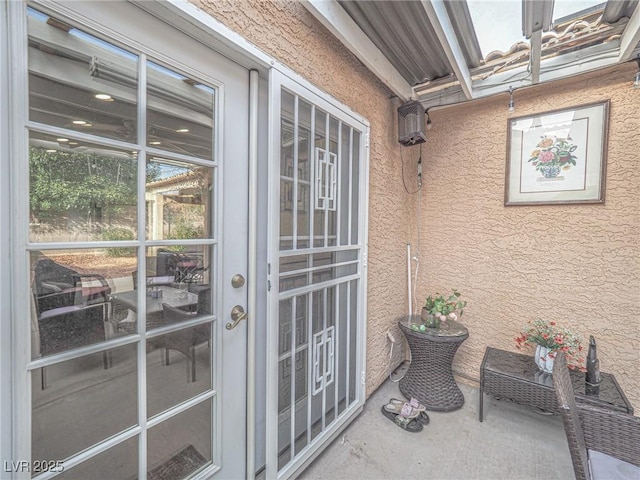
[(237, 281)]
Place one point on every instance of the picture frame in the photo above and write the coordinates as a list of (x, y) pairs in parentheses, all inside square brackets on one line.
[(557, 157)]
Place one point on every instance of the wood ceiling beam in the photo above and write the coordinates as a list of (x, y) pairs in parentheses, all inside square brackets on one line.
[(342, 26), (443, 28)]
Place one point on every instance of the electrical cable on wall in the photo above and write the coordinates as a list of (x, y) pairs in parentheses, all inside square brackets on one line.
[(416, 256), (411, 131), (404, 184), (389, 367)]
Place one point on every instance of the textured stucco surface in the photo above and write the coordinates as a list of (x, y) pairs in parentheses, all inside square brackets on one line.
[(289, 33), (576, 264)]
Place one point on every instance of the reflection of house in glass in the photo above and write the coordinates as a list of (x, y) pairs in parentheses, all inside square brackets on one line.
[(176, 204)]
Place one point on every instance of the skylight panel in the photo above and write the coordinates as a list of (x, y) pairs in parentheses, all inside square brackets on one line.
[(565, 9), (497, 24)]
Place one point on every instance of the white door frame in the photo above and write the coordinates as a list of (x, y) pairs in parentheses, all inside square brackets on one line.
[(6, 284)]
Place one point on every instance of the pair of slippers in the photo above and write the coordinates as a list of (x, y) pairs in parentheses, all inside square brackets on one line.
[(410, 416)]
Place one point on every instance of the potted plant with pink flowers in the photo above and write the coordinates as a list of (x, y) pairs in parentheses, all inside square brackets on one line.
[(438, 308), (549, 338)]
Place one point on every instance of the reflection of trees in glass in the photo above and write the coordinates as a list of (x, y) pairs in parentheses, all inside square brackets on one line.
[(99, 186), (152, 172), (186, 224), (119, 233), (184, 213)]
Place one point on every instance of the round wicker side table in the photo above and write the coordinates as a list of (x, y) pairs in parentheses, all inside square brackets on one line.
[(429, 377)]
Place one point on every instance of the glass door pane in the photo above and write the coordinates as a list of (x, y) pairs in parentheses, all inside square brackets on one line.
[(181, 445), (72, 409)]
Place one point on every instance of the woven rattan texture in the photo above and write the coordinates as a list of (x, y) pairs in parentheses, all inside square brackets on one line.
[(430, 377), (520, 391), (567, 405), (513, 376), (592, 428), (614, 433)]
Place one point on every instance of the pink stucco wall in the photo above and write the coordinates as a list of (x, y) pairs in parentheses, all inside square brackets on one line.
[(576, 264), (288, 32)]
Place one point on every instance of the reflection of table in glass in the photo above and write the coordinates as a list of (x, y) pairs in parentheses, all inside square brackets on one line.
[(171, 296), (430, 377), (516, 377)]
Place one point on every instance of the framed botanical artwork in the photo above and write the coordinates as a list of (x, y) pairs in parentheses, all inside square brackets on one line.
[(557, 157)]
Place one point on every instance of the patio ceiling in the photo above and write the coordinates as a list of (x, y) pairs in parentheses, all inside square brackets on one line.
[(429, 50)]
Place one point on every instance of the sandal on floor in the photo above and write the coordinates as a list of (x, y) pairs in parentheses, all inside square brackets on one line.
[(408, 424), (413, 402), (403, 408), (406, 410), (423, 418)]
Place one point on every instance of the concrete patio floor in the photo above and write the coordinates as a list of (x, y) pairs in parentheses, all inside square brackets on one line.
[(513, 442)]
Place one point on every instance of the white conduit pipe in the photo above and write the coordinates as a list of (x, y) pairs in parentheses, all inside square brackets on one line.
[(409, 277), (252, 273)]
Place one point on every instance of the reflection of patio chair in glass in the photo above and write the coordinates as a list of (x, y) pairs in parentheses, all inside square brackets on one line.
[(185, 267), (71, 308), (57, 285), (154, 281), (184, 341), (204, 299)]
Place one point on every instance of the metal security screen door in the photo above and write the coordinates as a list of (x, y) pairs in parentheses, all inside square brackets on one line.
[(317, 264), (130, 186)]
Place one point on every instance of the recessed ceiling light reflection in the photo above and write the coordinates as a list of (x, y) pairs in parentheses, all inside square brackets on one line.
[(62, 140), (74, 143), (79, 122), (182, 130), (51, 150), (104, 96), (155, 143)]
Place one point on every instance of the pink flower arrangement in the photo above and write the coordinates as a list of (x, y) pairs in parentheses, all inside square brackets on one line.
[(545, 157), (553, 151), (548, 334)]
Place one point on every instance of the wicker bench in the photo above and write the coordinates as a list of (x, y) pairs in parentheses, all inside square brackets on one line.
[(516, 377)]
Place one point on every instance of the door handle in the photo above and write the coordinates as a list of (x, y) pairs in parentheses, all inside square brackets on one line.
[(237, 315)]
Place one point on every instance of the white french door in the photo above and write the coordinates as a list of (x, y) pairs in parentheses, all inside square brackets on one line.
[(129, 182)]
